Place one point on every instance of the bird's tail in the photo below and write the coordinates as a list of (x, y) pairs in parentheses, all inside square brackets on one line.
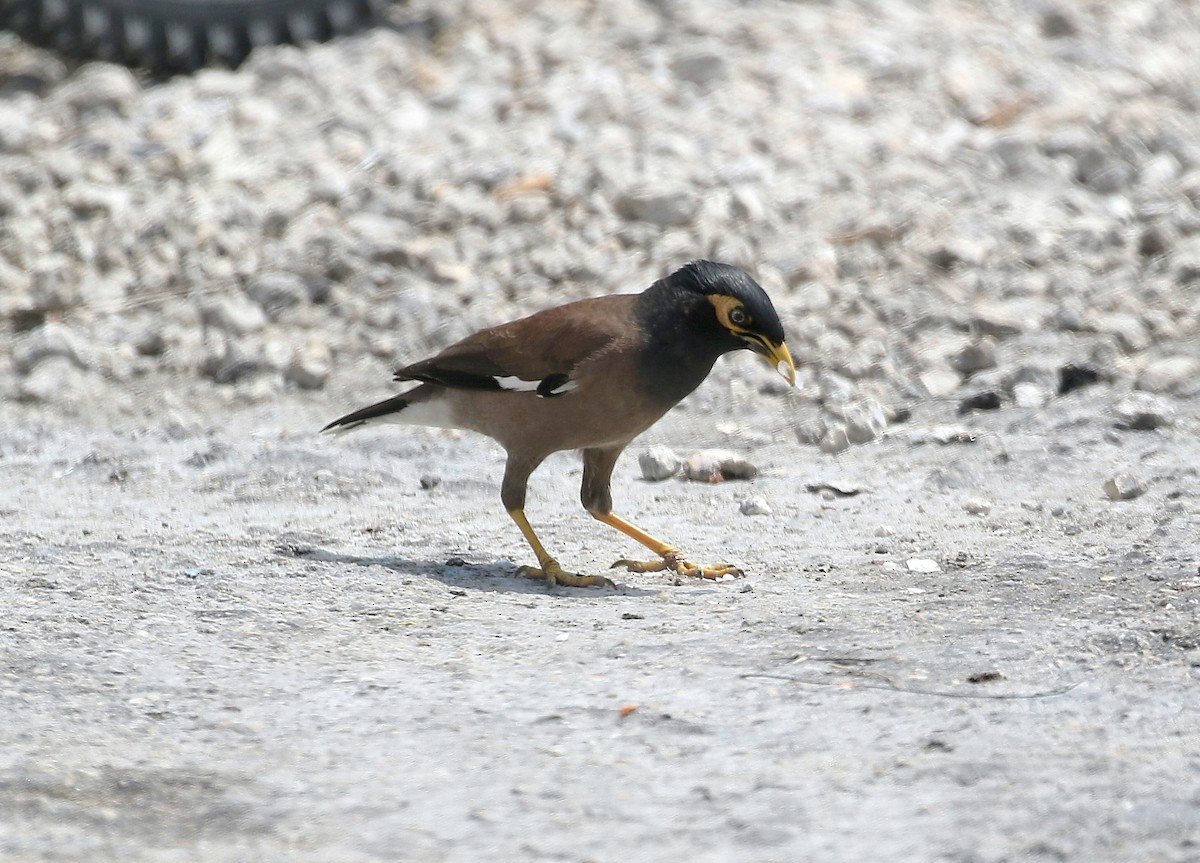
[(386, 411)]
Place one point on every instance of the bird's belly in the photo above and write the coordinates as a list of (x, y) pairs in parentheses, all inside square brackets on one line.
[(528, 422)]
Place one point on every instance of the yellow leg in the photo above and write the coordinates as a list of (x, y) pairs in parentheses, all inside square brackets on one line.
[(671, 557), (548, 568)]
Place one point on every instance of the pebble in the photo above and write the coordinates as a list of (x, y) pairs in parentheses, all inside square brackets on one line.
[(49, 340), (996, 320), (236, 314), (101, 87), (1101, 172), (658, 463), (665, 208), (1072, 377), (1124, 486), (55, 381), (1027, 394), (1143, 412), (701, 68), (1129, 331), (755, 506), (278, 293), (1057, 23), (864, 422), (977, 506), (311, 365), (835, 440), (717, 465), (988, 400), (975, 357), (1179, 375), (922, 564), (940, 382)]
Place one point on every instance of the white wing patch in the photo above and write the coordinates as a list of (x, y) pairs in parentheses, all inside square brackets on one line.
[(514, 384), (555, 385)]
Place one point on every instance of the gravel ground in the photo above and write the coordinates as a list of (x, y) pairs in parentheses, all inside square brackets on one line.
[(969, 627)]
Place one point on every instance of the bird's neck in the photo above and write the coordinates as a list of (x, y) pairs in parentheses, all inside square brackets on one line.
[(683, 340)]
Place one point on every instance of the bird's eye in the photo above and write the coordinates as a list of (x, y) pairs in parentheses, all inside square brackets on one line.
[(738, 317)]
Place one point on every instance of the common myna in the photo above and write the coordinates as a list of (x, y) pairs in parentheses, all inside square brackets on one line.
[(591, 375)]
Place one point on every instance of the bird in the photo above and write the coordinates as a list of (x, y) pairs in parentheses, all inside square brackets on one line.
[(590, 375)]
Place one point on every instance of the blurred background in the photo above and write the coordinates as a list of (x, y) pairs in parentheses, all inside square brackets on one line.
[(951, 203)]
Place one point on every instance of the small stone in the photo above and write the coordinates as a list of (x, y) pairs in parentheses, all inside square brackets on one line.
[(666, 208), (1070, 316), (1142, 412), (977, 506), (1073, 377), (1101, 172), (940, 382), (1027, 394), (236, 314), (1179, 375), (311, 365), (755, 506), (49, 340), (997, 320), (975, 357), (959, 251), (747, 204), (1127, 329), (835, 440), (717, 465), (701, 68), (278, 293), (1124, 486), (429, 481), (864, 422), (55, 381), (1018, 155), (101, 87), (658, 463), (1057, 24), (1159, 172), (988, 400), (922, 564)]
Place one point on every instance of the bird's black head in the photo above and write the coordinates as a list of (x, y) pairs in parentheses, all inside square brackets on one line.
[(737, 311)]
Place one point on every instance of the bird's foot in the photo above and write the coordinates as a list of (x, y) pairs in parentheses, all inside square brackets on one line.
[(554, 574), (674, 561)]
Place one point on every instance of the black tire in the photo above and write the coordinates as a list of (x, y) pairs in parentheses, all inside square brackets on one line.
[(180, 35)]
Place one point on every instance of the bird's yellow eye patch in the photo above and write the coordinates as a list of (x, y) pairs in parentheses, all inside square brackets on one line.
[(730, 312)]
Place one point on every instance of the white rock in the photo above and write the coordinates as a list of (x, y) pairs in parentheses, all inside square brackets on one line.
[(978, 506), (1178, 374), (1143, 412), (1027, 394), (236, 314), (658, 463), (755, 506), (49, 340), (922, 564), (1124, 486), (940, 382), (311, 365)]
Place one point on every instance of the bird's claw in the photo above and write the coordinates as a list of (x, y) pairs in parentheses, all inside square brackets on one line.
[(553, 574), (676, 562)]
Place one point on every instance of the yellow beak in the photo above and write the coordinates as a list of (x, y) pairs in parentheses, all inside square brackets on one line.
[(778, 357)]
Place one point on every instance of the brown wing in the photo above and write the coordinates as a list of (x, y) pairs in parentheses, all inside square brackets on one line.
[(536, 353)]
